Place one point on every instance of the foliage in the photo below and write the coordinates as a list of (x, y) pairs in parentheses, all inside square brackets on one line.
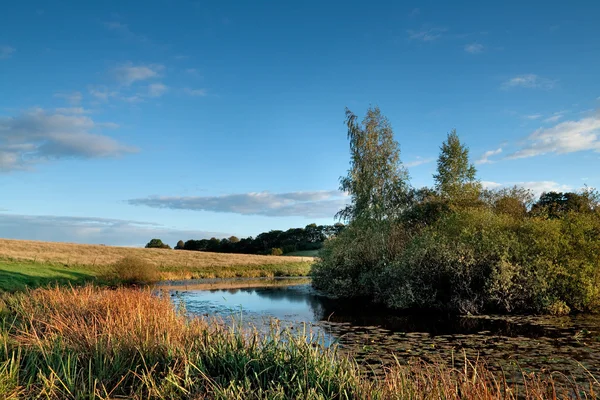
[(103, 344), (310, 237), (276, 251), (462, 249), (180, 245), (157, 244), (456, 176), (132, 270), (377, 180)]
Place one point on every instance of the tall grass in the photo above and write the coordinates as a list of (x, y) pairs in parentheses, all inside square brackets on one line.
[(92, 343)]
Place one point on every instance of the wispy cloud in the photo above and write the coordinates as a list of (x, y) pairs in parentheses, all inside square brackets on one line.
[(414, 12), (195, 92), (485, 158), (102, 93), (157, 89), (426, 34), (37, 135), (72, 110), (533, 116), (566, 137), (6, 52), (73, 98), (129, 73), (530, 81), (536, 187), (92, 230), (319, 204), (474, 48), (419, 161), (125, 32), (554, 117)]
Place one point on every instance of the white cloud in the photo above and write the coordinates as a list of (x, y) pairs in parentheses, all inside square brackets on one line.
[(92, 230), (536, 187), (485, 158), (474, 48), (102, 93), (566, 137), (157, 89), (554, 117), (195, 92), (129, 73), (6, 52), (37, 135), (319, 204), (71, 110), (426, 35), (530, 81), (73, 98), (533, 116), (419, 161), (125, 32)]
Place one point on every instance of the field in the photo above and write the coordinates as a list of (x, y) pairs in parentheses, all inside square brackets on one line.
[(30, 263)]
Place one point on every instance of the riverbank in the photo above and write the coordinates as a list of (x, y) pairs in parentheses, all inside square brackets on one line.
[(33, 264), (99, 343)]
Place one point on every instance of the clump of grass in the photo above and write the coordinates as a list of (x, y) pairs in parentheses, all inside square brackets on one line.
[(132, 271), (67, 343)]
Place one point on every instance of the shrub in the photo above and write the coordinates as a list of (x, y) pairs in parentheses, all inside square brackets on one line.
[(276, 251), (157, 244), (133, 270)]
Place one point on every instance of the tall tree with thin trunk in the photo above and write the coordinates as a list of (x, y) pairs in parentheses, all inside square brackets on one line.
[(377, 182), (456, 176)]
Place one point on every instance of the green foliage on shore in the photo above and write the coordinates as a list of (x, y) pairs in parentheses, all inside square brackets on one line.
[(458, 247)]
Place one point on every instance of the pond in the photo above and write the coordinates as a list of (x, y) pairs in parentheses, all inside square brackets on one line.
[(376, 337)]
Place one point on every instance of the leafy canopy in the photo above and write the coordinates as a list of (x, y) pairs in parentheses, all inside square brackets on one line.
[(377, 182)]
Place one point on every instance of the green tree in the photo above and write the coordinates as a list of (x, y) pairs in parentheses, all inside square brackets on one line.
[(157, 244), (233, 239), (180, 245), (377, 181), (456, 176)]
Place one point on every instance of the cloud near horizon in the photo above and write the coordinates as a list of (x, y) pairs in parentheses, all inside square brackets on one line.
[(317, 204), (93, 230), (537, 188), (39, 135)]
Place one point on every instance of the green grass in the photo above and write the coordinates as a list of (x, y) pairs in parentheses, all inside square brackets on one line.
[(304, 253), (18, 275)]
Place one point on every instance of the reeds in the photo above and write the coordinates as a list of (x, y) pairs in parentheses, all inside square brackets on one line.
[(92, 343)]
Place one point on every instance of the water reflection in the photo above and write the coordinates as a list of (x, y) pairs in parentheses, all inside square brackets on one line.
[(377, 336)]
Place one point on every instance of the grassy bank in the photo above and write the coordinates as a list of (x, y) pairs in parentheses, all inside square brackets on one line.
[(33, 264), (99, 343)]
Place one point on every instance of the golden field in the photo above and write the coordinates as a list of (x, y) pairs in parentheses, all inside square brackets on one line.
[(24, 260)]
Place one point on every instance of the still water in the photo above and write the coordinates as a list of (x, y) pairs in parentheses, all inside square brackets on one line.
[(377, 337)]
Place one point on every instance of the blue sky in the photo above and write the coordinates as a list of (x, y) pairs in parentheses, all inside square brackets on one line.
[(188, 119)]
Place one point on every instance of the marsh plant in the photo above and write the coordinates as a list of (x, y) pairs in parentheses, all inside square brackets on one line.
[(92, 343)]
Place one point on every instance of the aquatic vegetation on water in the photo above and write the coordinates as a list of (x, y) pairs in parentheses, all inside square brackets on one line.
[(100, 343)]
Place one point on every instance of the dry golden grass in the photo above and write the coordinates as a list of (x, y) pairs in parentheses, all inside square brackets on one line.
[(89, 342), (98, 255)]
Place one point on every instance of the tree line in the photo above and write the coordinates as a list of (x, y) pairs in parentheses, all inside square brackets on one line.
[(457, 246), (276, 242)]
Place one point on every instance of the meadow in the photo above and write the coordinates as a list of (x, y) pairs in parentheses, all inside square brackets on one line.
[(31, 263)]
